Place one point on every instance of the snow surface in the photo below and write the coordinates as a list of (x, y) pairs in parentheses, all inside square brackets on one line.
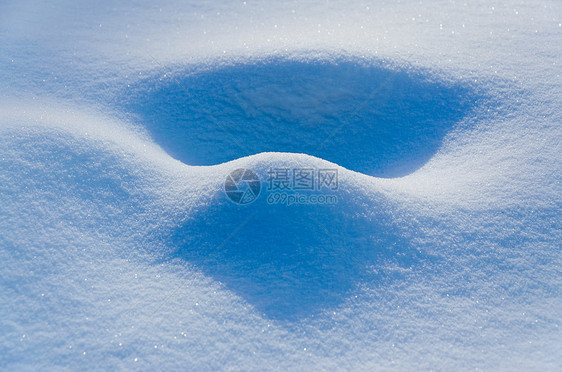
[(119, 122)]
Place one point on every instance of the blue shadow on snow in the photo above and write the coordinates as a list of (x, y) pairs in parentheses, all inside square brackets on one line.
[(367, 118), (292, 262)]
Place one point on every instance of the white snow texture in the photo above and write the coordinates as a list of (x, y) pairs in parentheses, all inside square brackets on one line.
[(121, 120)]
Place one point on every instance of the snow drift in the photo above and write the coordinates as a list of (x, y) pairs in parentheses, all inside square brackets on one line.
[(120, 123)]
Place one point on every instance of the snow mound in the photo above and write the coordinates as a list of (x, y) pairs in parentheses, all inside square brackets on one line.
[(121, 125), (294, 261)]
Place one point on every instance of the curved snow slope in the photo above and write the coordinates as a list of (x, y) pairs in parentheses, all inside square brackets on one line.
[(119, 252), (117, 255), (363, 116), (294, 262)]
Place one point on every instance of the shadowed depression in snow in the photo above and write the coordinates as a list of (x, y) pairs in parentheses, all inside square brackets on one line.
[(371, 119)]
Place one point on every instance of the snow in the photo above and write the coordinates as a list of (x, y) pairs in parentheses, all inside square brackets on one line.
[(120, 122)]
